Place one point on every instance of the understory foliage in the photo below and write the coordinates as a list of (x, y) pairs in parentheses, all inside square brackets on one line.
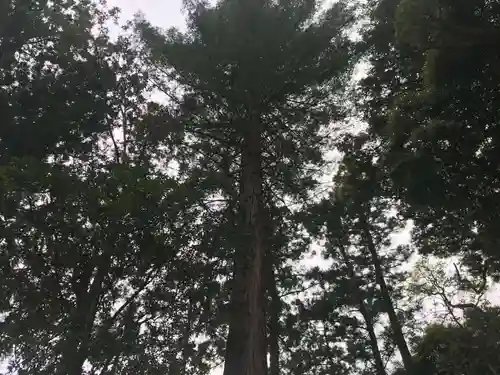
[(175, 236)]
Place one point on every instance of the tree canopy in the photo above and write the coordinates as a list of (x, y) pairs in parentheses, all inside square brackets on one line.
[(213, 229)]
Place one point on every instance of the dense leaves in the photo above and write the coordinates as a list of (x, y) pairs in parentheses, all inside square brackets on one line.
[(467, 349), (436, 109), (173, 237), (258, 81)]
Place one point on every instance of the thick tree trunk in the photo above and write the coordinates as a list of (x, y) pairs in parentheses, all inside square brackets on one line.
[(367, 316), (72, 361), (246, 344), (77, 345), (72, 358), (399, 338)]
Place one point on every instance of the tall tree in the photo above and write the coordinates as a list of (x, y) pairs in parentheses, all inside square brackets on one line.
[(432, 94), (97, 241), (359, 220), (256, 77)]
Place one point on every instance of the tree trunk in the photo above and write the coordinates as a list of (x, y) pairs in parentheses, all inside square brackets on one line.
[(397, 329), (187, 337), (246, 344), (274, 325), (78, 343), (377, 355), (367, 316), (72, 361)]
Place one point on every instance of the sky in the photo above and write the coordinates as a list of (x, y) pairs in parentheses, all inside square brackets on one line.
[(163, 13)]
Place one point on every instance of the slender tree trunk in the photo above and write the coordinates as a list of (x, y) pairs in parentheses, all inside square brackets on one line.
[(246, 344), (274, 325), (399, 338), (377, 355), (367, 316), (186, 337)]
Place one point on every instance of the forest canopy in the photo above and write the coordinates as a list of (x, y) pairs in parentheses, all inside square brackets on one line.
[(274, 212)]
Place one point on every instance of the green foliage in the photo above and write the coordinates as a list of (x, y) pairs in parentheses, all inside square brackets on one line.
[(269, 71), (356, 223), (281, 77), (98, 246), (48, 55), (437, 119), (471, 349), (127, 226)]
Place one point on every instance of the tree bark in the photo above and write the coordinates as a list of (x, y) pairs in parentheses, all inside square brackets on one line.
[(397, 329), (246, 350), (78, 343)]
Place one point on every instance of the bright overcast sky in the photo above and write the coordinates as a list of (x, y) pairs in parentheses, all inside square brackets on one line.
[(163, 13)]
